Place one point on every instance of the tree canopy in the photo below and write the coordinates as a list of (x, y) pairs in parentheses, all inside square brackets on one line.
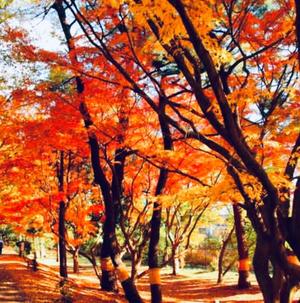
[(148, 108)]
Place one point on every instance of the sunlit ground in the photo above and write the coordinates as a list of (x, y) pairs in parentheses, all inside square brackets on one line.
[(191, 285)]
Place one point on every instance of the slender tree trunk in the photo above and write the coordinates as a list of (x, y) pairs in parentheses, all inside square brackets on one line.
[(165, 253), (43, 249), (175, 261), (109, 232), (63, 271), (174, 265), (112, 209), (181, 258), (244, 262), (57, 252), (221, 256), (154, 269), (130, 290), (62, 241), (153, 253), (75, 261), (108, 278), (135, 264), (92, 259)]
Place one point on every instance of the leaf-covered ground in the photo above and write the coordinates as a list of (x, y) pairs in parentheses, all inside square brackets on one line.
[(43, 286)]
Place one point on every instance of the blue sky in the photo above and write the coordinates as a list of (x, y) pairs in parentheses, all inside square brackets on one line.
[(43, 30)]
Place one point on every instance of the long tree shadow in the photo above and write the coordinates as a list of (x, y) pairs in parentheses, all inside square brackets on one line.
[(182, 288), (44, 285), (9, 291)]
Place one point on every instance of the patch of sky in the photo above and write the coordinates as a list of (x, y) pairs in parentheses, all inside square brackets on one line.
[(40, 23)]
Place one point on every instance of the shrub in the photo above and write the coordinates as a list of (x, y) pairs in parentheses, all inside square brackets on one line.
[(201, 257)]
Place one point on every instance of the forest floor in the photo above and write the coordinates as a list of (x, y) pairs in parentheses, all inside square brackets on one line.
[(42, 286)]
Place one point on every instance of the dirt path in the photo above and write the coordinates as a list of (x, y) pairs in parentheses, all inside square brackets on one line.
[(9, 292), (20, 284)]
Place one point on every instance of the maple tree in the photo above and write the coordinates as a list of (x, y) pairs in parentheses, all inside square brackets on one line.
[(199, 91), (208, 50), (243, 251), (182, 212), (61, 189)]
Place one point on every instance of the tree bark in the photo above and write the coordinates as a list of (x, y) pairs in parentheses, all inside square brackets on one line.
[(135, 264), (261, 269), (62, 240), (221, 256), (288, 290), (153, 253), (109, 233), (63, 270), (270, 286), (294, 240), (244, 262), (175, 261), (75, 261), (108, 282)]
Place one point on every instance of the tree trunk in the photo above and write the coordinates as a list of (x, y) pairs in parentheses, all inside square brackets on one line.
[(62, 240), (181, 258), (165, 253), (43, 249), (57, 252), (108, 281), (109, 232), (293, 236), (109, 237), (108, 278), (37, 247), (269, 286), (154, 269), (261, 269), (221, 256), (244, 262), (288, 290), (153, 253), (175, 261), (135, 264), (175, 266), (130, 290), (75, 261)]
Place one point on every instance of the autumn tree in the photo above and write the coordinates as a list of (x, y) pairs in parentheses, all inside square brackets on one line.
[(243, 250), (219, 76), (225, 61), (183, 211)]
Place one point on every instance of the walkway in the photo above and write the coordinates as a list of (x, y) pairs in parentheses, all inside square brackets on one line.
[(9, 292)]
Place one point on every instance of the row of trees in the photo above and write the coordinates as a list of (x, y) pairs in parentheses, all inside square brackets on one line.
[(179, 101)]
